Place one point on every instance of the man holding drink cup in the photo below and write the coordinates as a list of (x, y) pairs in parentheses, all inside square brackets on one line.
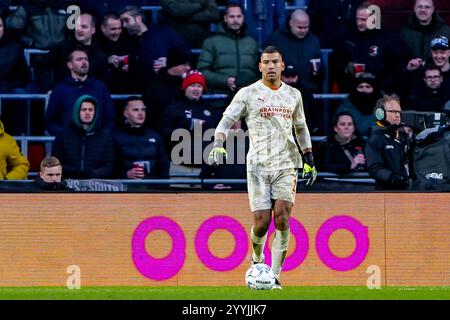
[(140, 151), (367, 49)]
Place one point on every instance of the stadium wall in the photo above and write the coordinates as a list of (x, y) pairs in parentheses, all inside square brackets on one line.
[(202, 239)]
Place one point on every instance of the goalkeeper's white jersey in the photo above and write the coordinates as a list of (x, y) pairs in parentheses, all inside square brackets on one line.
[(270, 116)]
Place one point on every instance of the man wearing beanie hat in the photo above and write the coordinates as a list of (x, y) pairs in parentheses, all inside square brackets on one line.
[(364, 94), (165, 88), (85, 150), (191, 113)]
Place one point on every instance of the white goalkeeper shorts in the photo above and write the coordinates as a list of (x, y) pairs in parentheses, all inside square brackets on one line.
[(266, 186)]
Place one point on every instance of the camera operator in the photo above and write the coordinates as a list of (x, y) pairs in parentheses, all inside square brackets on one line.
[(387, 150)]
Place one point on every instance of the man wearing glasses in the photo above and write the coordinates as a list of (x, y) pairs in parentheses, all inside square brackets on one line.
[(430, 94), (388, 146)]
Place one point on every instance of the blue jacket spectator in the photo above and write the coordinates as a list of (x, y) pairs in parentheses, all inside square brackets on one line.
[(85, 150), (64, 95)]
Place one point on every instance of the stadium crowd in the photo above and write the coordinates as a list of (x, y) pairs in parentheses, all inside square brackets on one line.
[(197, 47)]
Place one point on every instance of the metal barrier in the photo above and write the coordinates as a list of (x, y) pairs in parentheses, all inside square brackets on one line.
[(352, 177), (45, 97), (24, 140)]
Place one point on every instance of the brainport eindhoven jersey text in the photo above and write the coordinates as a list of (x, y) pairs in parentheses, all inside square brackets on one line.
[(276, 112)]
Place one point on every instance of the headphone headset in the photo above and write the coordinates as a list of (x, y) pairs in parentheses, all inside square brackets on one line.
[(379, 113)]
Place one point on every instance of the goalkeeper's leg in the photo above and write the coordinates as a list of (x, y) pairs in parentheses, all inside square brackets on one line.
[(282, 212), (258, 233)]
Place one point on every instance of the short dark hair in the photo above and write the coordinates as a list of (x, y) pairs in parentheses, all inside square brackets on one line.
[(234, 5), (109, 15), (272, 49), (132, 98), (431, 66), (133, 11), (340, 114), (69, 55), (364, 6)]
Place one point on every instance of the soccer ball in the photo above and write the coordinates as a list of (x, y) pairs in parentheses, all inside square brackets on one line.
[(260, 277)]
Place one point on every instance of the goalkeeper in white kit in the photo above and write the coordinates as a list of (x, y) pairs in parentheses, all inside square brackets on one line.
[(271, 109)]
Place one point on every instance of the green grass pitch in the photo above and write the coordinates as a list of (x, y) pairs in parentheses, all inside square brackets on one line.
[(225, 293)]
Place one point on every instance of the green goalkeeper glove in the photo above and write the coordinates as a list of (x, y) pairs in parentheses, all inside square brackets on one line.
[(217, 154), (309, 169)]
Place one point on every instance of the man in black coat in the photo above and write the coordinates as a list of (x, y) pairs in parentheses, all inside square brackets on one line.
[(193, 114), (85, 150), (387, 150), (140, 151), (166, 86), (150, 44), (300, 48), (367, 50), (332, 20), (116, 44), (430, 94), (83, 37)]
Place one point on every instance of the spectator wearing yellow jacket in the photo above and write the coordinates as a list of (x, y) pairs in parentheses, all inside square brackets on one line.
[(13, 165)]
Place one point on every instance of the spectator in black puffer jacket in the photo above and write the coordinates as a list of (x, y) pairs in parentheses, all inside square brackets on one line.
[(140, 151), (85, 151), (192, 114)]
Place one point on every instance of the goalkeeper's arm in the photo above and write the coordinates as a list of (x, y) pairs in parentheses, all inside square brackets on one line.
[(304, 140), (220, 135)]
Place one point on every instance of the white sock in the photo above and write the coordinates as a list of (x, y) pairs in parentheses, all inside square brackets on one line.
[(279, 250), (258, 246)]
